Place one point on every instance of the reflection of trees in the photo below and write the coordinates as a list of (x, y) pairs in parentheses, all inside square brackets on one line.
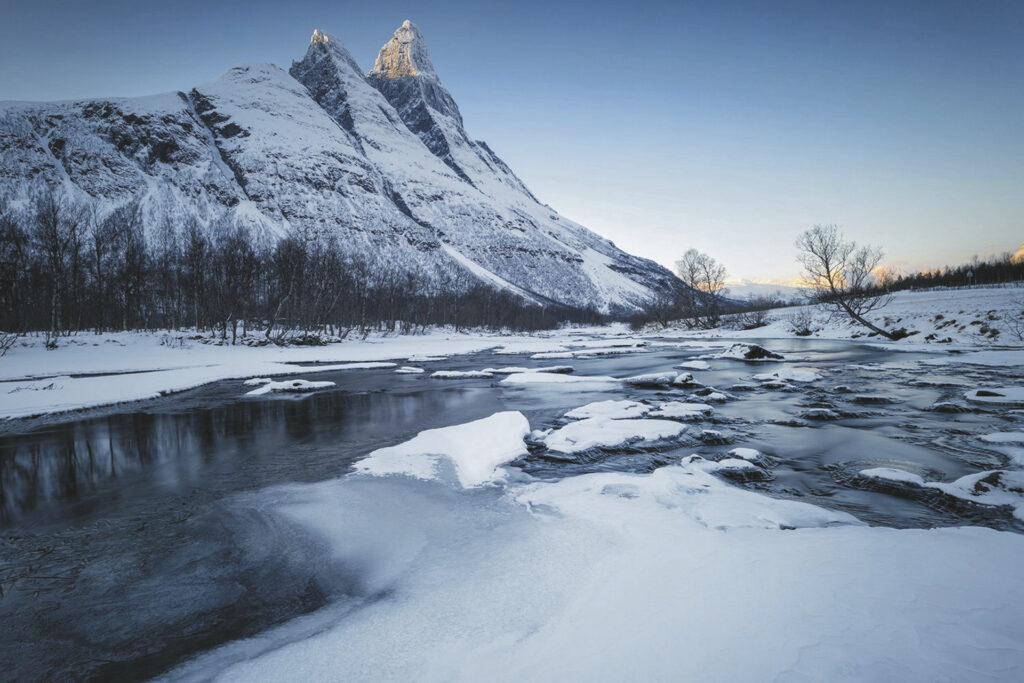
[(250, 443), (67, 461)]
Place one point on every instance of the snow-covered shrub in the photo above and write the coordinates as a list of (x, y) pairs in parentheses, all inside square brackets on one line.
[(800, 322)]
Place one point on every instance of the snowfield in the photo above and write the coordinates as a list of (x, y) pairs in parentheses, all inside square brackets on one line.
[(618, 576)]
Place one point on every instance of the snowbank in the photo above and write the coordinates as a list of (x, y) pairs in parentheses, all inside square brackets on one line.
[(29, 398), (604, 432), (476, 449)]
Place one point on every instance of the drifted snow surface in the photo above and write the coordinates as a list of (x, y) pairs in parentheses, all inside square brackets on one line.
[(668, 575), (476, 450)]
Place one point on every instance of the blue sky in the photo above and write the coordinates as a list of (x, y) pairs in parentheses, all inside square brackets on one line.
[(725, 126)]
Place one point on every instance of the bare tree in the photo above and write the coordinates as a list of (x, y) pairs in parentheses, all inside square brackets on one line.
[(704, 278), (57, 223), (839, 275)]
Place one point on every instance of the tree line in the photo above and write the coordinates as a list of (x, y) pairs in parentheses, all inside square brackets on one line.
[(65, 269), (839, 275), (999, 269)]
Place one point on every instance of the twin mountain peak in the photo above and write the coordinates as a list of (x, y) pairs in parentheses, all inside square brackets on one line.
[(379, 162)]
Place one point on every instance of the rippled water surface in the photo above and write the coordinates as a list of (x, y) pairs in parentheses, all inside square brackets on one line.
[(132, 537)]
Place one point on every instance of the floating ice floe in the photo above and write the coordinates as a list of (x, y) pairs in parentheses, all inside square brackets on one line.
[(461, 374), (604, 432), (476, 450), (409, 370), (424, 358), (790, 374), (1000, 395), (613, 410), (653, 380), (750, 352), (679, 410), (550, 378), (512, 370), (290, 386), (695, 365), (893, 474), (257, 381)]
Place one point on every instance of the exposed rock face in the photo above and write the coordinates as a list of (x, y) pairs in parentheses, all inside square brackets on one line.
[(404, 55), (381, 163)]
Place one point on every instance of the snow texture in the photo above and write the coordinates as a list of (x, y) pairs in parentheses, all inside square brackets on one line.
[(678, 410), (790, 374), (609, 433), (477, 450), (611, 409), (290, 386), (461, 374)]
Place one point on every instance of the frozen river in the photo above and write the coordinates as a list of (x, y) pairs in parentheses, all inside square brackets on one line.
[(137, 537)]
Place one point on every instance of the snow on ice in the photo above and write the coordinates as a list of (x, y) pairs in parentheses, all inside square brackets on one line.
[(605, 432), (290, 386), (610, 409), (477, 450)]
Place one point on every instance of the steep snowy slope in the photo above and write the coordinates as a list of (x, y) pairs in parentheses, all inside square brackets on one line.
[(404, 73), (381, 163), (302, 170)]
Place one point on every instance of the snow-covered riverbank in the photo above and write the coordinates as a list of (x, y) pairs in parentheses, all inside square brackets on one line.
[(667, 575), (88, 370), (981, 316)]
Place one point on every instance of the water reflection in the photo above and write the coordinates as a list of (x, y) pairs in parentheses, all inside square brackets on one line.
[(239, 443)]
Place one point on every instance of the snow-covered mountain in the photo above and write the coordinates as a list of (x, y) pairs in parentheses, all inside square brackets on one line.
[(380, 161)]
